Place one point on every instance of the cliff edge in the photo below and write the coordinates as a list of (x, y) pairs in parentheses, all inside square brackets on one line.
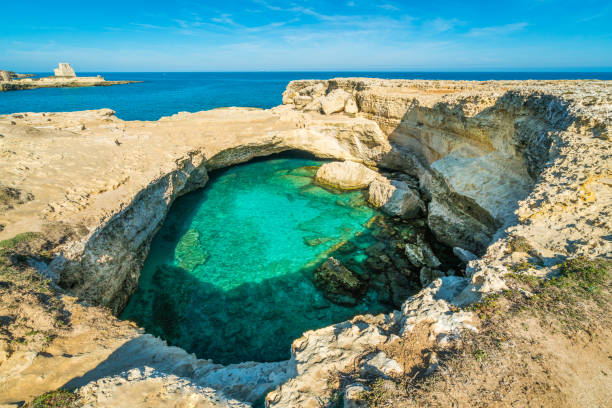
[(515, 175)]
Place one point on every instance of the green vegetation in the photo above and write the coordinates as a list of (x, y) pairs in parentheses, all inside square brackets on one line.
[(520, 267), (377, 396), (563, 296), (487, 306), (54, 399), (8, 245), (520, 244), (480, 354)]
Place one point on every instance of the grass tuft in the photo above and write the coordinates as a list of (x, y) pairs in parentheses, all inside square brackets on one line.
[(54, 399)]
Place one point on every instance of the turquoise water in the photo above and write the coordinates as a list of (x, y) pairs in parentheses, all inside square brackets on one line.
[(164, 94), (228, 276)]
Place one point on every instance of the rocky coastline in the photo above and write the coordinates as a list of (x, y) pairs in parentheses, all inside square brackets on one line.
[(487, 164), (53, 82), (64, 77)]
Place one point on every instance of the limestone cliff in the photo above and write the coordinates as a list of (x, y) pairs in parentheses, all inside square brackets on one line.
[(495, 161)]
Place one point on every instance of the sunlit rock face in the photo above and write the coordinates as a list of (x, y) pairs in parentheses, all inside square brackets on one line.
[(468, 143), (64, 70)]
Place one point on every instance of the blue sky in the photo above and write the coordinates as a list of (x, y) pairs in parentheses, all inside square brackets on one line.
[(252, 35)]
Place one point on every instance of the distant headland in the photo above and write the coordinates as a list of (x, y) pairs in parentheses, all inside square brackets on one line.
[(64, 77)]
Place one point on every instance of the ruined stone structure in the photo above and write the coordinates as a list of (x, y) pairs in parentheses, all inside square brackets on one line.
[(5, 76), (64, 70)]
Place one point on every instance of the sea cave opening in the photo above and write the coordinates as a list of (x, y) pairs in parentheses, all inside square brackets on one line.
[(242, 267)]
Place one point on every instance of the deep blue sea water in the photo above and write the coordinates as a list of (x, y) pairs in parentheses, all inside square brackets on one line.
[(163, 94)]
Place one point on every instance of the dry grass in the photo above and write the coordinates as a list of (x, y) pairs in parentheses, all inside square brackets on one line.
[(544, 343)]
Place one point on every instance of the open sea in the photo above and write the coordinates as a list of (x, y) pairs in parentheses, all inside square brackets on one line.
[(163, 94)]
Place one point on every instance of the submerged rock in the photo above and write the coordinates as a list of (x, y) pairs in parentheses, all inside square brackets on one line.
[(395, 197), (345, 175), (189, 252), (339, 284)]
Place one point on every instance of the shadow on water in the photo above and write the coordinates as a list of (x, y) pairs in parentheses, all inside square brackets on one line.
[(248, 316)]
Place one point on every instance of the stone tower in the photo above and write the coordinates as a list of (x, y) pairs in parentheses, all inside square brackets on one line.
[(64, 70)]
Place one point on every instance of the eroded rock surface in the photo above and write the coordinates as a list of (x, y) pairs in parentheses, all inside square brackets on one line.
[(495, 161), (395, 197), (345, 175)]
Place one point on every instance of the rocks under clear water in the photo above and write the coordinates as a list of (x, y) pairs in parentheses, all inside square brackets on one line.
[(229, 275), (244, 266)]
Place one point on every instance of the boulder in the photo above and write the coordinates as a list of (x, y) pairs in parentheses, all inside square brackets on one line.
[(346, 175), (334, 101), (338, 283), (379, 365), (350, 106), (463, 254), (456, 227), (353, 396), (395, 198), (420, 254), (5, 76)]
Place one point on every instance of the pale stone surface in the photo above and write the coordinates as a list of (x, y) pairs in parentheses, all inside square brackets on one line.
[(146, 387), (353, 396), (421, 254), (551, 138), (64, 70), (345, 175), (5, 76), (463, 254), (379, 365), (350, 106), (334, 101), (395, 198)]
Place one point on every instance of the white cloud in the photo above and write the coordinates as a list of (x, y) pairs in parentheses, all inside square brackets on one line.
[(496, 30), (388, 7), (440, 25)]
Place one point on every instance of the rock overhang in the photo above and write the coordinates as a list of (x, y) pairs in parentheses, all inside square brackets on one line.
[(551, 150)]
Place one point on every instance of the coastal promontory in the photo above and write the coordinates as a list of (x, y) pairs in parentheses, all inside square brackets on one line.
[(513, 177), (64, 77)]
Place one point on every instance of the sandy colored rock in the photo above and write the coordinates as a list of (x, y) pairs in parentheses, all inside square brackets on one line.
[(379, 365), (350, 107), (345, 175), (353, 396), (334, 101), (494, 160)]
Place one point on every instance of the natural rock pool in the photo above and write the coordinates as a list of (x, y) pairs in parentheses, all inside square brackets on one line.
[(229, 274)]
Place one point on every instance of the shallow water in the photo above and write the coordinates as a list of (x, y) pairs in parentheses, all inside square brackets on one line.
[(228, 276)]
